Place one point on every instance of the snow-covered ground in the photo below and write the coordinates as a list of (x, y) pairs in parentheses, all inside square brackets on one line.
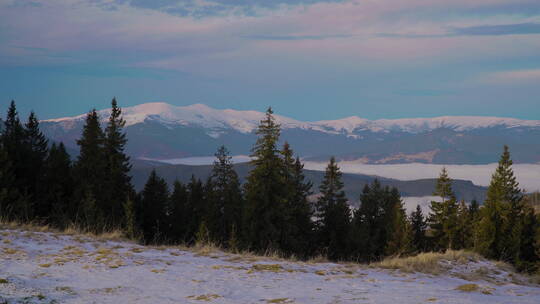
[(42, 267)]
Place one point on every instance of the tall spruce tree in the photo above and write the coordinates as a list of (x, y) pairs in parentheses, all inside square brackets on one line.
[(397, 231), (499, 230), (443, 217), (59, 183), (196, 209), (418, 230), (119, 188), (369, 222), (16, 149), (264, 190), (90, 171), (334, 215), (380, 224), (8, 194), (154, 197), (528, 256), (37, 151), (225, 198), (464, 230), (178, 215), (297, 233)]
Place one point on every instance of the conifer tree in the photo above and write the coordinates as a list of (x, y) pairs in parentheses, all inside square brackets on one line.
[(226, 198), (195, 209), (297, 233), (463, 238), (333, 215), (380, 223), (418, 229), (368, 223), (264, 189), (443, 217), (37, 150), (119, 188), (528, 257), (177, 211), (397, 229), (154, 205), (90, 167), (499, 230), (58, 187), (16, 150), (8, 194)]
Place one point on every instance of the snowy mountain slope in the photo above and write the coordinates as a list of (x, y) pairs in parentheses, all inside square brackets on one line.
[(195, 115), (246, 121), (39, 267), (163, 131)]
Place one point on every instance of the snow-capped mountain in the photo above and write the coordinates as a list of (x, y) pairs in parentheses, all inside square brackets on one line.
[(161, 130), (246, 121)]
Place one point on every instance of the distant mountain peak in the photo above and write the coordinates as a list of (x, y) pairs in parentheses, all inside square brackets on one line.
[(246, 121)]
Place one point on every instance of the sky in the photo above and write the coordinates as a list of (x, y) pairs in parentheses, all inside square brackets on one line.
[(308, 59)]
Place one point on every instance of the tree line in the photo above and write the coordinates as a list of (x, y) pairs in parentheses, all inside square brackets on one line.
[(274, 210)]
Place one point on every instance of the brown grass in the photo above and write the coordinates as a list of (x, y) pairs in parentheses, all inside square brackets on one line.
[(427, 262), (114, 235)]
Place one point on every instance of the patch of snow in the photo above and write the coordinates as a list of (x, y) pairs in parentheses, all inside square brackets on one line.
[(44, 267)]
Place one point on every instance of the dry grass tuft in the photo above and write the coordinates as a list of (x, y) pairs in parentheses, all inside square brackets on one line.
[(205, 298), (45, 265), (113, 235), (468, 287), (427, 262), (266, 267)]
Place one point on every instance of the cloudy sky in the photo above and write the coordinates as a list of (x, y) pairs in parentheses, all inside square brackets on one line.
[(309, 59)]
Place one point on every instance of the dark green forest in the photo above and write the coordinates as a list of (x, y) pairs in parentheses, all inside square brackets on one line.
[(269, 212)]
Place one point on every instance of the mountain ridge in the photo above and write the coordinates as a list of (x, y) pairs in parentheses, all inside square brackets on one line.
[(163, 131), (246, 121)]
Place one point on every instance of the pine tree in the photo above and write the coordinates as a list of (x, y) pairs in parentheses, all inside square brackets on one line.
[(16, 151), (37, 151), (464, 230), (297, 233), (226, 200), (8, 193), (443, 218), (154, 209), (368, 223), (195, 209), (333, 214), (499, 230), (58, 187), (118, 183), (398, 229), (380, 224), (264, 190), (528, 257), (177, 211), (418, 229), (90, 168)]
